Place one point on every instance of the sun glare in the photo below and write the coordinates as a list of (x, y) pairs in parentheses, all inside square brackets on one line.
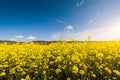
[(112, 32), (116, 27)]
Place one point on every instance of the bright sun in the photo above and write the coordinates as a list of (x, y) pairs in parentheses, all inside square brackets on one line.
[(112, 32)]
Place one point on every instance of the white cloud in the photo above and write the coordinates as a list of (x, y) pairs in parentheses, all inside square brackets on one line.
[(31, 38), (12, 39), (20, 36), (69, 27)]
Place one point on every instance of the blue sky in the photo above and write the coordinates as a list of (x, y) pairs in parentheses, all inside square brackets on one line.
[(51, 19)]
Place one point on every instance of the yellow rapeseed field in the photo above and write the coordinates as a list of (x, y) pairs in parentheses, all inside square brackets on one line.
[(60, 61)]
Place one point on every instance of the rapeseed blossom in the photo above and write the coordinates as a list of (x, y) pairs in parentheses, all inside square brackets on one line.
[(75, 69), (61, 60)]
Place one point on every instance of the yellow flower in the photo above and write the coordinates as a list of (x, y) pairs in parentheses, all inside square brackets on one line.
[(58, 59), (3, 74), (27, 77), (81, 72), (108, 70), (23, 79), (75, 58), (93, 75), (12, 71), (23, 72), (50, 77), (36, 72), (43, 72), (57, 71), (75, 69), (116, 72), (68, 79), (99, 55)]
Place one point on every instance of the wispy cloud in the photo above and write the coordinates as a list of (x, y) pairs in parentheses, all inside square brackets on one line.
[(19, 36), (99, 13), (80, 4), (96, 16), (92, 20), (60, 21)]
